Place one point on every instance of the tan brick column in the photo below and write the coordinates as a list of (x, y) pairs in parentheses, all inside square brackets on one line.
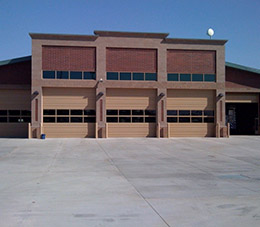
[(101, 90), (162, 92), (220, 92)]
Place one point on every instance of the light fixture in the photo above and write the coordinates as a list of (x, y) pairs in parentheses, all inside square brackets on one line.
[(100, 80), (162, 94), (100, 94), (210, 32), (220, 95)]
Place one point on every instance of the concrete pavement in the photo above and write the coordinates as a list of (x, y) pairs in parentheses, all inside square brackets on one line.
[(130, 182)]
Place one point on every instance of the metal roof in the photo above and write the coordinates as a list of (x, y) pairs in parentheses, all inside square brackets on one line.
[(15, 60), (242, 67)]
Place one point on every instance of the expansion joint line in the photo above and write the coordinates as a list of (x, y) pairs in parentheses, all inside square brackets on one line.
[(137, 191)]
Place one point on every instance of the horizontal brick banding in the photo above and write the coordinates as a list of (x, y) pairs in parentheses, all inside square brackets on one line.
[(131, 60), (68, 58), (191, 61), (16, 73)]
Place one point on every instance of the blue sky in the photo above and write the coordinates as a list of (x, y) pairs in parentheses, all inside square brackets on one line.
[(238, 21)]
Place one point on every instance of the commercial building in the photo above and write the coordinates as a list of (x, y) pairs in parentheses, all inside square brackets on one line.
[(126, 84)]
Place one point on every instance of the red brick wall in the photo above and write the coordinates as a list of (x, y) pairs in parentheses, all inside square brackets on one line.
[(131, 60), (191, 61), (236, 78), (16, 73), (68, 58)]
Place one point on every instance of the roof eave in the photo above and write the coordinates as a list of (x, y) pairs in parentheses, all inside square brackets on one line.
[(131, 34), (63, 37), (195, 41)]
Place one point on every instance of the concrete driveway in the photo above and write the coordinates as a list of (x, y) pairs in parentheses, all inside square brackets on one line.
[(130, 182)]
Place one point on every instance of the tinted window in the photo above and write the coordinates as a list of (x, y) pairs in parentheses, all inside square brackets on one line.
[(171, 119), (197, 77), (26, 113), (76, 75), (14, 112), (124, 119), (62, 75), (48, 75), (112, 112), (184, 112), (112, 76), (89, 75), (62, 112), (138, 76), (112, 119), (185, 77), (89, 119), (173, 77), (48, 112), (137, 112), (171, 112), (14, 119), (76, 119), (210, 77), (124, 112), (184, 119), (76, 112), (208, 112), (196, 119), (196, 112), (209, 119), (150, 112), (48, 119), (62, 119), (150, 119), (137, 119), (151, 76), (26, 119), (89, 112), (125, 76), (3, 119), (3, 112)]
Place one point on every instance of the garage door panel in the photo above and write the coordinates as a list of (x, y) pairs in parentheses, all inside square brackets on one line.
[(130, 99), (192, 130), (190, 99), (131, 130), (14, 130), (15, 99), (71, 130), (69, 98)]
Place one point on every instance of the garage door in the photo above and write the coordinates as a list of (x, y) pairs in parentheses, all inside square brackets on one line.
[(69, 112), (131, 112), (191, 113), (15, 113)]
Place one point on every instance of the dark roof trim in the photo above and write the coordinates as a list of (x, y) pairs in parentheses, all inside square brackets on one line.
[(131, 34), (241, 67), (15, 60), (195, 41), (63, 37)]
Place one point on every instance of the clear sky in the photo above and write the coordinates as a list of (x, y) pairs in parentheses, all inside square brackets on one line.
[(238, 21)]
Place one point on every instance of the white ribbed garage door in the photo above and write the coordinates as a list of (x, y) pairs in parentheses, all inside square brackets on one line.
[(131, 112), (69, 112), (191, 113)]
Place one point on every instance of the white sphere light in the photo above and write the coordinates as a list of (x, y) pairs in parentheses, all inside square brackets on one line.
[(210, 32)]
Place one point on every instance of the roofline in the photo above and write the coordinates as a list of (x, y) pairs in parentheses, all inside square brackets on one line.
[(15, 60), (195, 41), (242, 67), (63, 37), (131, 34)]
